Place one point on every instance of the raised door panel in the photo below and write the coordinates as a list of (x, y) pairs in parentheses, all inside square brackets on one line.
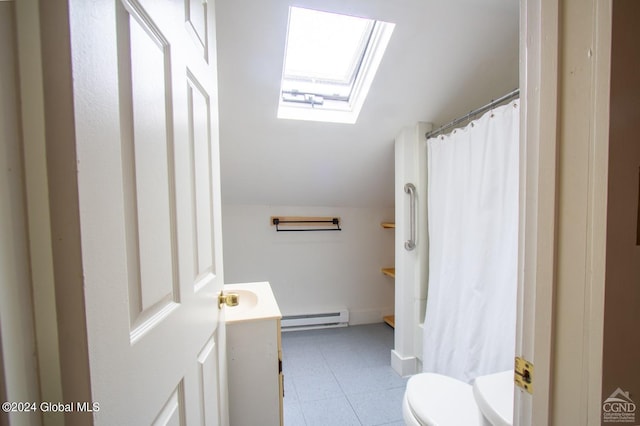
[(208, 378), (196, 22), (202, 180), (172, 413), (147, 170)]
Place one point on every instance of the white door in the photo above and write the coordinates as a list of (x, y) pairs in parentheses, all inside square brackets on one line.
[(145, 125)]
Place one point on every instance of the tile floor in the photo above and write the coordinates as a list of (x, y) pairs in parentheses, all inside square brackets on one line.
[(341, 376)]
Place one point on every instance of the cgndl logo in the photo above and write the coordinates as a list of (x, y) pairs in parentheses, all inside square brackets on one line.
[(619, 407)]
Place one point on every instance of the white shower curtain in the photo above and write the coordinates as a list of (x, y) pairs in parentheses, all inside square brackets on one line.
[(469, 327)]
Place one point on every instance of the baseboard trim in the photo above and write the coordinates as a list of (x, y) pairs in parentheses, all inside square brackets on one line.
[(369, 316), (404, 366)]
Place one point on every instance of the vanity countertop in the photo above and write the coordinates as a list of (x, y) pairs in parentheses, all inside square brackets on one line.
[(256, 302)]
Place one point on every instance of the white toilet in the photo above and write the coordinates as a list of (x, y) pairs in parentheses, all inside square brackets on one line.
[(436, 400)]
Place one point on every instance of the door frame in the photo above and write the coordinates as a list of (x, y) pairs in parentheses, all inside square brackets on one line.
[(564, 74), (18, 367), (37, 199)]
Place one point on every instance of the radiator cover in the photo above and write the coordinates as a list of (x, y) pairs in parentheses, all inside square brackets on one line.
[(329, 319)]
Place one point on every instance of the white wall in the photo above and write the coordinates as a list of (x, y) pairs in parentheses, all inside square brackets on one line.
[(314, 271)]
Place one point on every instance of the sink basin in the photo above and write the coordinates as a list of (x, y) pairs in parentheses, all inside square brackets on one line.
[(255, 302), (247, 299)]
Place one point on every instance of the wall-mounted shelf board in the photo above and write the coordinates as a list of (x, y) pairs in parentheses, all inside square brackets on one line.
[(391, 320), (391, 272)]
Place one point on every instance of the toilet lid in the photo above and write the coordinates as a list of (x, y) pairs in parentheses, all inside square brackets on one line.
[(437, 400), (494, 396)]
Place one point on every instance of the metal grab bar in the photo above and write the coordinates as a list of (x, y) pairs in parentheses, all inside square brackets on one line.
[(410, 189)]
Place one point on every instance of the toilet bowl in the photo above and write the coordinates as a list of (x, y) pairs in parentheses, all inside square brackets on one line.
[(435, 400)]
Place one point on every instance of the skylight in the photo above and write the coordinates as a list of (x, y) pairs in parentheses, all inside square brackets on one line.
[(329, 65)]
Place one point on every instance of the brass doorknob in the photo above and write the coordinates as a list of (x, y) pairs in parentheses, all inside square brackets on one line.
[(230, 299)]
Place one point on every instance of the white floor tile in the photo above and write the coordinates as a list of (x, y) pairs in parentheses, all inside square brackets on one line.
[(329, 412), (378, 408)]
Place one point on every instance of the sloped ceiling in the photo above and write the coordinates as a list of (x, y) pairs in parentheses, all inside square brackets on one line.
[(445, 58)]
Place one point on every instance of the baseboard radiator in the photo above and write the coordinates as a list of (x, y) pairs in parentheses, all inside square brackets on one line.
[(338, 318)]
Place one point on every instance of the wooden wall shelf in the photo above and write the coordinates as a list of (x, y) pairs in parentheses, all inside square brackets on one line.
[(391, 320), (391, 272)]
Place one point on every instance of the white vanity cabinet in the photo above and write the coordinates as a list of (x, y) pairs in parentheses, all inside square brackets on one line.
[(254, 356)]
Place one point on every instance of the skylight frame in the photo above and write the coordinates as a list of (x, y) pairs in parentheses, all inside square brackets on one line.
[(297, 80), (314, 105)]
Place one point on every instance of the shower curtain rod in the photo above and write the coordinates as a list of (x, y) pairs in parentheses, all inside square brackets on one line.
[(506, 98)]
